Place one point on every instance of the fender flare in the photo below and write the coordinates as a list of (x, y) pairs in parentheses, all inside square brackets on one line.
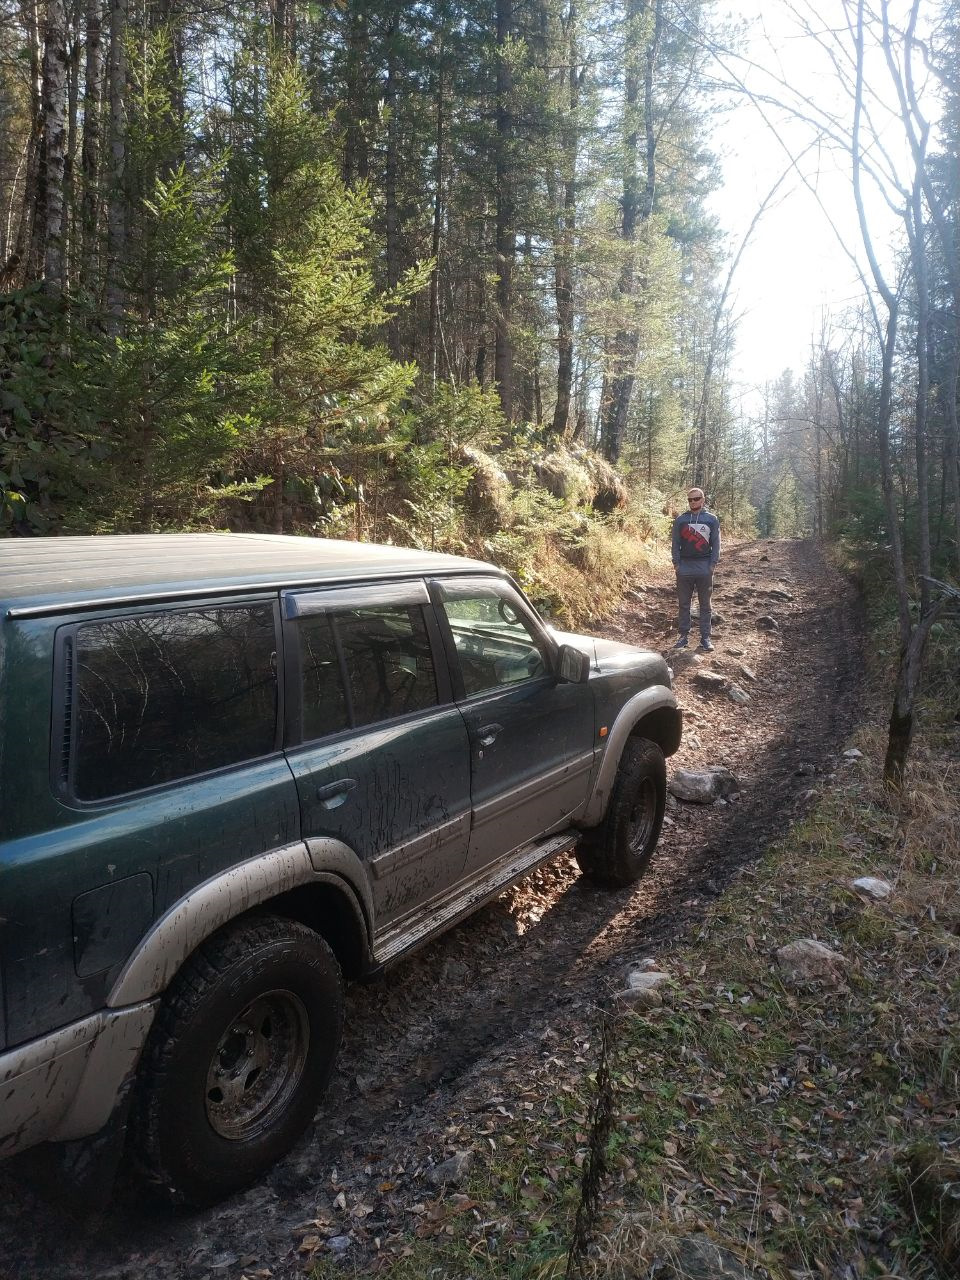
[(655, 698), (231, 893)]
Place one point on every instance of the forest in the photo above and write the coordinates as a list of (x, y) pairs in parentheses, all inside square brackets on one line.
[(446, 274)]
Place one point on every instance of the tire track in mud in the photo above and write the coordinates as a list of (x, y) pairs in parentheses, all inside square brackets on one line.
[(545, 953)]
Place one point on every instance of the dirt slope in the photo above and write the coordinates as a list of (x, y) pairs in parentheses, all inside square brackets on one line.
[(468, 1016)]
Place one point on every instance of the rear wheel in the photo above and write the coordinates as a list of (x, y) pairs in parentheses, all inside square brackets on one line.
[(618, 852), (238, 1059)]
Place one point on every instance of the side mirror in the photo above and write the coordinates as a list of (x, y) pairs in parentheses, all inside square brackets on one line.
[(573, 665)]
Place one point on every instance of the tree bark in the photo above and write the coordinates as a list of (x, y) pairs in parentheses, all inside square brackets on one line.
[(116, 204), (637, 207), (54, 140), (433, 324), (391, 216), (506, 241), (27, 251), (90, 150), (355, 157), (564, 238)]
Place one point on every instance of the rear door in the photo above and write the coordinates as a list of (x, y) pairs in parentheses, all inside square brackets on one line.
[(379, 751), (163, 768), (531, 735)]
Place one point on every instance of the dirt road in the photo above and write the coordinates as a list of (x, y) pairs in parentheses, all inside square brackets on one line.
[(470, 1013)]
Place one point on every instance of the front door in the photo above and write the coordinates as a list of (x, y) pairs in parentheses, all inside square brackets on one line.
[(379, 752), (531, 735)]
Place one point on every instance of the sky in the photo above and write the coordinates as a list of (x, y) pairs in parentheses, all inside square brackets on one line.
[(794, 271)]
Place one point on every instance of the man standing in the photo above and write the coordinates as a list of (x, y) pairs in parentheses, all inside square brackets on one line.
[(696, 550)]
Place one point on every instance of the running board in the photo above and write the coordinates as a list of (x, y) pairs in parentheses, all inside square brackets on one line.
[(486, 884)]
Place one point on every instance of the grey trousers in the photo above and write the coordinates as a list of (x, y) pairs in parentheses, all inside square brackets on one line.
[(694, 575)]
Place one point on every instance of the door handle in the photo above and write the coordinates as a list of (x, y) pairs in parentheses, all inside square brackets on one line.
[(487, 733), (334, 793)]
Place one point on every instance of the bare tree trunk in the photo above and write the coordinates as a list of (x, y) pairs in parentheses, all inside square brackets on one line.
[(564, 236), (913, 638), (27, 251), (116, 204), (390, 178), (919, 256), (506, 243), (70, 220), (616, 406), (90, 151), (918, 129), (355, 157), (54, 139), (434, 303)]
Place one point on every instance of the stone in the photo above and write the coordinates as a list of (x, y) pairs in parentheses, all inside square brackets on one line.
[(646, 979), (738, 695), (780, 593), (712, 681), (767, 623), (873, 887), (697, 1257), (807, 960), (703, 786), (747, 672), (339, 1243), (853, 754), (642, 989), (452, 1171), (680, 658)]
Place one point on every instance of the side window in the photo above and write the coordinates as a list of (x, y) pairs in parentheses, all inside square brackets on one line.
[(324, 700), (386, 660), (167, 695), (495, 643)]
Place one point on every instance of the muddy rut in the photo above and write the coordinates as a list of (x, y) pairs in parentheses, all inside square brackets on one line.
[(464, 1016)]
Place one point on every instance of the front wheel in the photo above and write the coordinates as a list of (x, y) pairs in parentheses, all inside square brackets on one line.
[(238, 1059), (618, 851)]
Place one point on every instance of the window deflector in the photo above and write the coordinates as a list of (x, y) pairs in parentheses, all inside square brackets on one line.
[(303, 604)]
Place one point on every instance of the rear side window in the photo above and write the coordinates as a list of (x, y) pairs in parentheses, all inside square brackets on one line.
[(167, 695), (364, 665)]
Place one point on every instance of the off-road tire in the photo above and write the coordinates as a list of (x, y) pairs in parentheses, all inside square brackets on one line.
[(618, 851), (264, 981)]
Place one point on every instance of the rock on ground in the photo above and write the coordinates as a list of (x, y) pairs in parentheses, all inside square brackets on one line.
[(697, 1257), (703, 786), (643, 989), (873, 887), (452, 1171), (808, 960)]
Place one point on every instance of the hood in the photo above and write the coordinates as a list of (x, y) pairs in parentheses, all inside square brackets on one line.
[(613, 655)]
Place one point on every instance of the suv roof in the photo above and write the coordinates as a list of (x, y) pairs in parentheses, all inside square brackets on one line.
[(46, 575)]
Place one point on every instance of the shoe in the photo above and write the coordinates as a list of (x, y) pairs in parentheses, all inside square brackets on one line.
[(706, 646), (681, 643)]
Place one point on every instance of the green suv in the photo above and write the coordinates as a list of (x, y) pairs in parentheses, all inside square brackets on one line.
[(235, 769)]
